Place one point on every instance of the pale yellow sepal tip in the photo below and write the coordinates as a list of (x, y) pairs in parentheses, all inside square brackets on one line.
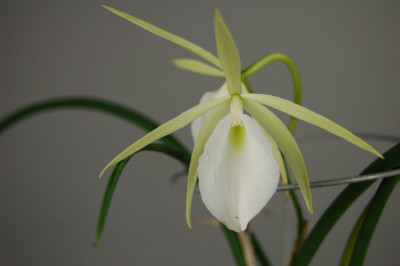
[(102, 172), (189, 223), (311, 210)]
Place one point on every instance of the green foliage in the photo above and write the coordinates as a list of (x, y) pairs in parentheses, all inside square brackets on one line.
[(342, 202)]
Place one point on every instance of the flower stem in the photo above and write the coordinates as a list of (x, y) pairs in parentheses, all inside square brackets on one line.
[(301, 223), (293, 70)]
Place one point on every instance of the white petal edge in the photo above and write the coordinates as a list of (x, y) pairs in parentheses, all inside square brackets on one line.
[(208, 96), (167, 128), (236, 184), (278, 157), (208, 127), (286, 143)]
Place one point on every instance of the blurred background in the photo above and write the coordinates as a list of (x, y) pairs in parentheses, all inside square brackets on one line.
[(348, 57)]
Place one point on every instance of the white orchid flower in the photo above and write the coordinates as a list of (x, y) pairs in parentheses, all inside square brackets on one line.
[(236, 157)]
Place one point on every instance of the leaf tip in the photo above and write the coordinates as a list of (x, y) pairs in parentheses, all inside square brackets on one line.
[(310, 208), (218, 17), (189, 224), (104, 170), (175, 62), (107, 7), (373, 151), (188, 220)]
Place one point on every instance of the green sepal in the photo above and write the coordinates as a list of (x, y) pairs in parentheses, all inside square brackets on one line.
[(167, 128), (205, 132), (169, 36), (286, 143), (311, 117), (228, 55), (197, 67)]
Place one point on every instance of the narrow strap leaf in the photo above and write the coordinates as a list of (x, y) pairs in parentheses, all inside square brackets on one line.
[(310, 117), (198, 67), (348, 250), (118, 110), (228, 55), (205, 132), (116, 173), (371, 219), (286, 143), (234, 243), (259, 251), (342, 202), (169, 36), (167, 128)]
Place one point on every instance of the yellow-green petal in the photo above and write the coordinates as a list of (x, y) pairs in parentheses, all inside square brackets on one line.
[(169, 36), (228, 55), (198, 67), (167, 128), (278, 157), (286, 143), (208, 127), (311, 117)]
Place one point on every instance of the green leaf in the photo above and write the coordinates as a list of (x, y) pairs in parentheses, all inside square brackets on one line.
[(109, 192), (278, 57), (259, 251), (205, 132), (180, 152), (342, 202), (167, 128), (234, 243), (228, 55), (117, 110), (310, 117), (286, 143), (371, 219), (348, 251), (169, 36), (197, 67), (116, 173)]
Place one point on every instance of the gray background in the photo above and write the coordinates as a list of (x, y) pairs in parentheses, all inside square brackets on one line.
[(348, 56)]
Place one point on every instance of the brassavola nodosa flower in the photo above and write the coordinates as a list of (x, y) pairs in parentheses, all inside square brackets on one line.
[(236, 157)]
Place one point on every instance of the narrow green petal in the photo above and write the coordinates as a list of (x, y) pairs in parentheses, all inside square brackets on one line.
[(278, 157), (205, 132), (197, 67), (228, 55), (310, 117), (286, 143), (167, 128), (169, 36), (348, 251)]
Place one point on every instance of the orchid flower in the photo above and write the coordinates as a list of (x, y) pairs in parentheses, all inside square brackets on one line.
[(237, 157)]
